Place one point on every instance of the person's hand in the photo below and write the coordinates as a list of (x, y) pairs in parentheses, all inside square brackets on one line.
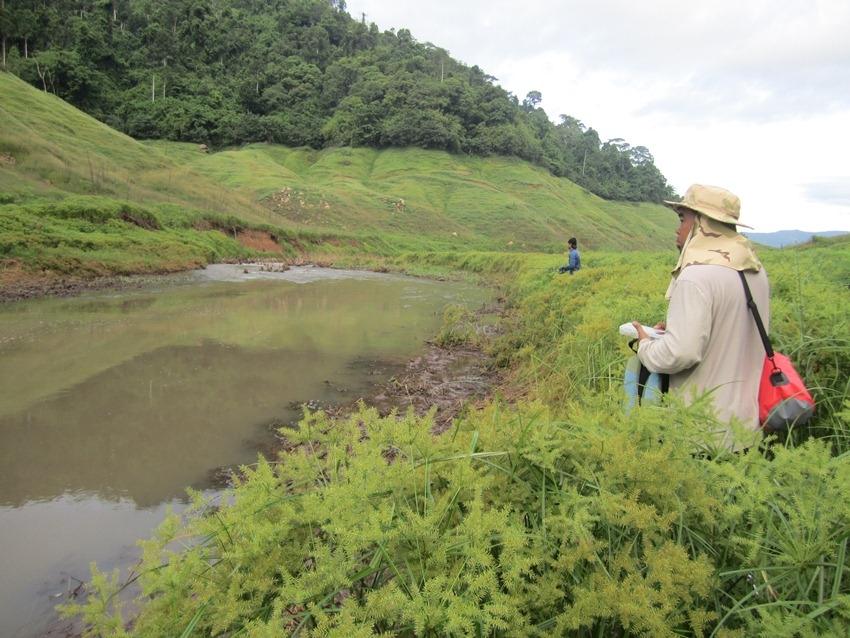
[(661, 325), (640, 331)]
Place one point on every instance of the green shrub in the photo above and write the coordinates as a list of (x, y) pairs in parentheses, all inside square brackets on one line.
[(514, 523)]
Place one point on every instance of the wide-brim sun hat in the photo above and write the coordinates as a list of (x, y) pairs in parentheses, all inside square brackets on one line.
[(711, 201)]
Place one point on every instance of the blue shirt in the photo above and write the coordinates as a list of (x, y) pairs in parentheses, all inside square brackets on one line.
[(575, 261)]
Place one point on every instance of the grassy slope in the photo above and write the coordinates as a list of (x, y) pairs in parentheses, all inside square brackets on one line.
[(470, 202), (58, 150), (79, 198), (72, 191)]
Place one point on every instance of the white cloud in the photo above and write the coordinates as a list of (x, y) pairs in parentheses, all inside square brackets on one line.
[(834, 191), (753, 96)]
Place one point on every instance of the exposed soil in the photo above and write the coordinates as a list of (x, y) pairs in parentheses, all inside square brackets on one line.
[(17, 283), (447, 379), (258, 240)]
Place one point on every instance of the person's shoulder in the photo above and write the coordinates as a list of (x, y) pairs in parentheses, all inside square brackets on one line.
[(716, 279), (709, 279), (706, 272)]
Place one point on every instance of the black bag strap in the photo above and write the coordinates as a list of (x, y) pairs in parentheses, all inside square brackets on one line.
[(643, 377), (751, 304)]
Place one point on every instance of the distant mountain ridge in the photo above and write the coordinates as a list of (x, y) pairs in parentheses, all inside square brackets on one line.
[(781, 238)]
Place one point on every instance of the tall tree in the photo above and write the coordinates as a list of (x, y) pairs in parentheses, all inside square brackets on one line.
[(5, 27), (532, 99)]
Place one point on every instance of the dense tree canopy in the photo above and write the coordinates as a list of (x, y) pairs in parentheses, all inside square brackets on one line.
[(295, 72)]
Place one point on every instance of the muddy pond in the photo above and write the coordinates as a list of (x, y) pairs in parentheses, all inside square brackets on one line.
[(111, 404)]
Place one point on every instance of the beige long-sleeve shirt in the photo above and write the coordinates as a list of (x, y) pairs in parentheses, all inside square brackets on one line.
[(711, 343)]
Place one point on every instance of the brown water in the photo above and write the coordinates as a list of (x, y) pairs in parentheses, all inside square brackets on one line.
[(112, 404)]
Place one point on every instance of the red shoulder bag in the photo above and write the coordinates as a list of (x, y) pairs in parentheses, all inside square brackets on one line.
[(784, 400)]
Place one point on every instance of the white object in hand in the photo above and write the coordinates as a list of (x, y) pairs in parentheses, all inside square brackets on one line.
[(628, 330)]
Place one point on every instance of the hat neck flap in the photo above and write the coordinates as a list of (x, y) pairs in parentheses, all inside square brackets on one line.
[(711, 242)]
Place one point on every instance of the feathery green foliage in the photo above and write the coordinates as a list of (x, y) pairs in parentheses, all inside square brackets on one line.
[(514, 523)]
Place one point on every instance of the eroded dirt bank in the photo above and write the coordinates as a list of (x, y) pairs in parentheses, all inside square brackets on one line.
[(17, 285)]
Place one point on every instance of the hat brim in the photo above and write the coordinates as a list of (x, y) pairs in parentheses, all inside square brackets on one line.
[(707, 212)]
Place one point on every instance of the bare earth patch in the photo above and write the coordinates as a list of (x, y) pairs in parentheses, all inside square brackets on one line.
[(447, 379), (17, 283), (258, 240)]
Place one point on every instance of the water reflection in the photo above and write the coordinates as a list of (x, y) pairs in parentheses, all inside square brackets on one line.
[(113, 404), (149, 427)]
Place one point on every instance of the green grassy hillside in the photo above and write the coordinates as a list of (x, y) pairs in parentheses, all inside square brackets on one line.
[(51, 149), (469, 202), (79, 198)]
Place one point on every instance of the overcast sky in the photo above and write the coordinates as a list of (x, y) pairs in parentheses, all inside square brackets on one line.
[(750, 95)]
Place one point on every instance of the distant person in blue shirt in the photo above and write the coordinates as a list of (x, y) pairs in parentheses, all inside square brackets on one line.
[(574, 262)]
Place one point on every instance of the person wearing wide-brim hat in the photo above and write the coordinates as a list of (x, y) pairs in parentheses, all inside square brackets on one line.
[(710, 342)]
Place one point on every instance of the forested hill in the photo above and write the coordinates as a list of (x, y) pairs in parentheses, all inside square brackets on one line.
[(299, 73)]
